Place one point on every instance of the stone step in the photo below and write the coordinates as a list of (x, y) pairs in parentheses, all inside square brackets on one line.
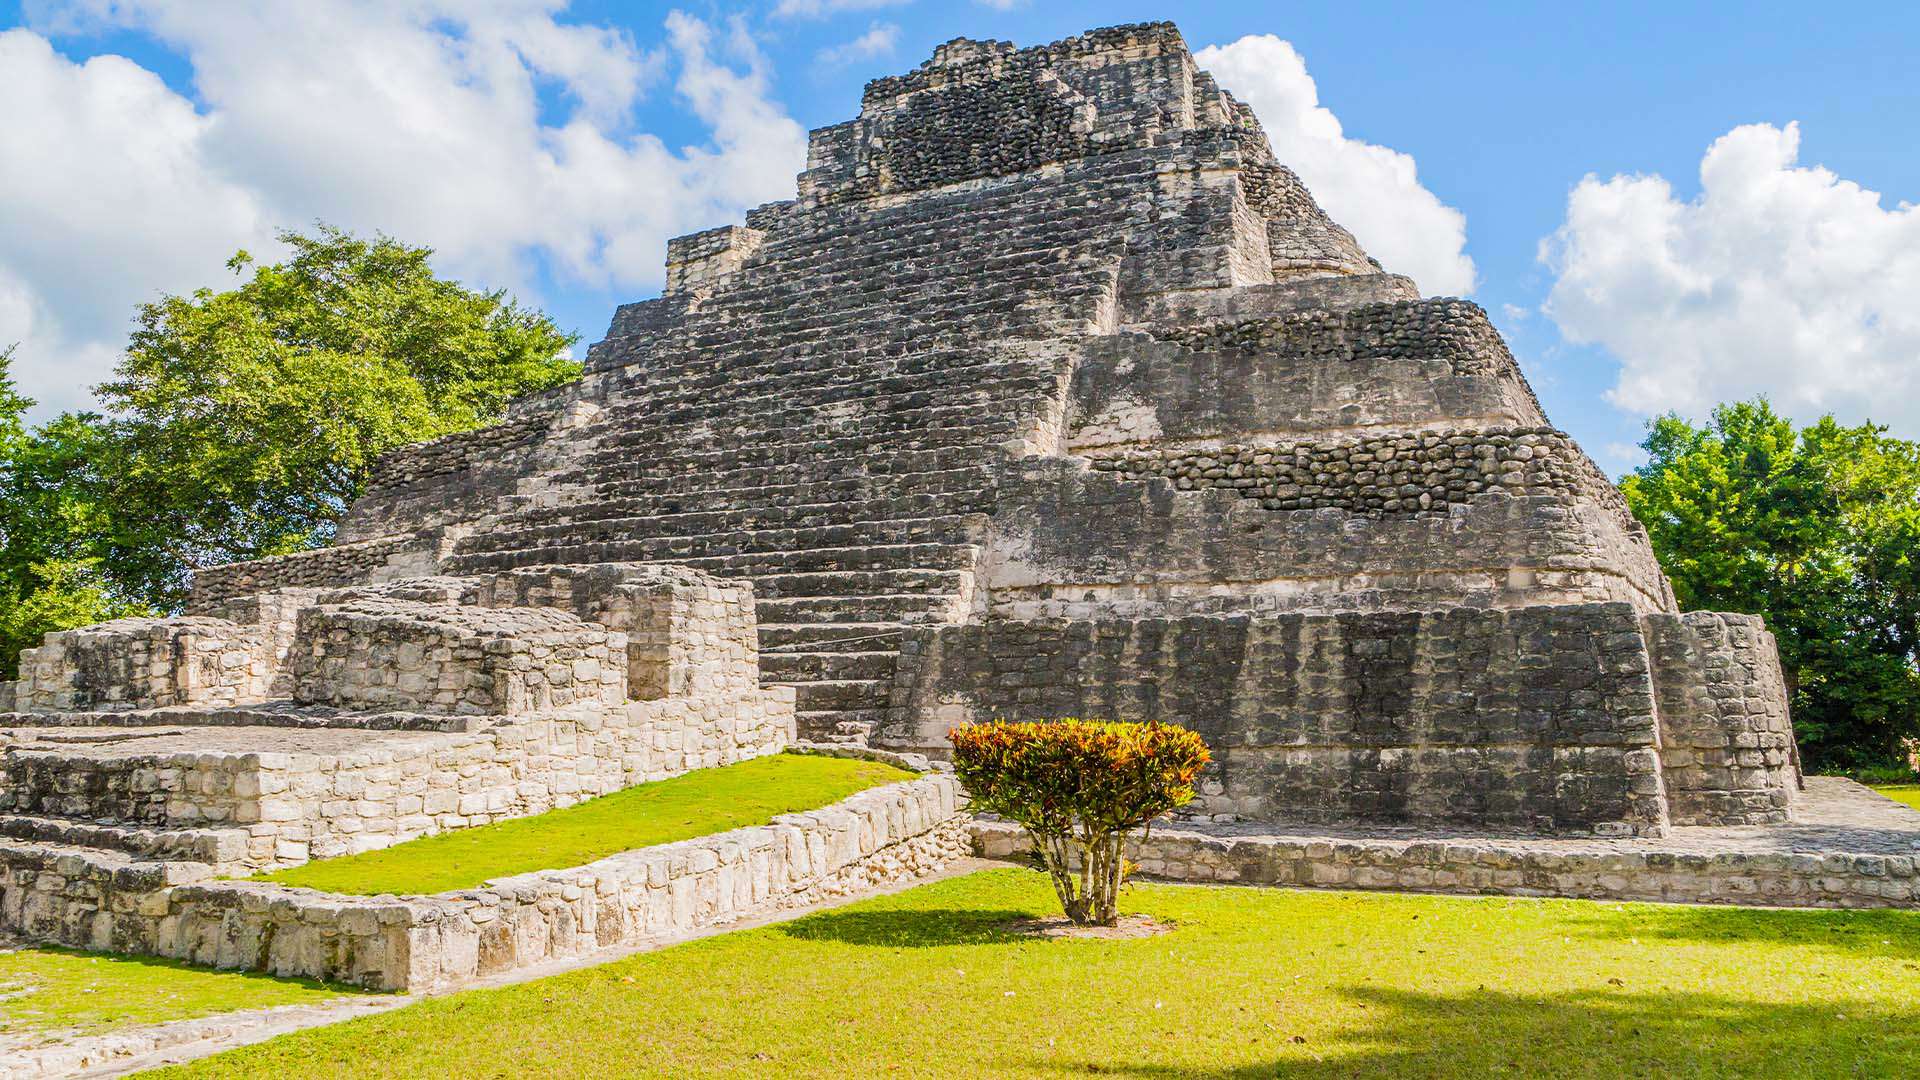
[(800, 403), (981, 422), (945, 528), (842, 694), (761, 466), (700, 523), (801, 667), (828, 637), (137, 723), (820, 560), (893, 448), (227, 850), (861, 583), (897, 608), (844, 727), (643, 497), (124, 871)]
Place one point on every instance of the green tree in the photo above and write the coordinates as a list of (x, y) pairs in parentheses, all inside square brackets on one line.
[(1818, 530), (240, 424), (54, 529), (245, 421)]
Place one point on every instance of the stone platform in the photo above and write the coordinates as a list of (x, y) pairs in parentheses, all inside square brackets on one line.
[(1846, 847), (107, 900)]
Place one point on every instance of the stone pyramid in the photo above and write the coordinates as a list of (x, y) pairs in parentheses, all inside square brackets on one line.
[(1054, 393)]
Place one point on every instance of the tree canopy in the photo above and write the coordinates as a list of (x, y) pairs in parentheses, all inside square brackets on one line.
[(1818, 530), (248, 419), (240, 424)]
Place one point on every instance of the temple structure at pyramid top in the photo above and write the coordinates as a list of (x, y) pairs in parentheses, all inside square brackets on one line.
[(1053, 393)]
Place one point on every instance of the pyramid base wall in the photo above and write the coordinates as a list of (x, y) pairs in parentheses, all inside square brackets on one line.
[(1543, 719)]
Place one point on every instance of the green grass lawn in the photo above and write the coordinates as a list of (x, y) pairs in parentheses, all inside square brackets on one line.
[(697, 804), (1901, 793), (45, 989), (1251, 983)]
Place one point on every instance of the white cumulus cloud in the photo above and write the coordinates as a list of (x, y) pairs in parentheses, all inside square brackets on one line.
[(879, 40), (432, 120), (820, 9), (1374, 191), (1777, 278)]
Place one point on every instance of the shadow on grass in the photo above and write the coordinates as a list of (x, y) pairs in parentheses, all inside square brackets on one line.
[(1864, 933), (911, 929), (1576, 1034)]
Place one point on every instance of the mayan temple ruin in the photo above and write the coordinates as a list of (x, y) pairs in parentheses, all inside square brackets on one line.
[(1051, 393)]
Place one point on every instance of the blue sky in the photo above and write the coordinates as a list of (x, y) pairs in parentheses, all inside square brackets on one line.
[(1795, 276)]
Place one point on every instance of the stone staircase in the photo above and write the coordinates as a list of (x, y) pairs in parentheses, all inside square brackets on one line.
[(221, 798), (832, 596)]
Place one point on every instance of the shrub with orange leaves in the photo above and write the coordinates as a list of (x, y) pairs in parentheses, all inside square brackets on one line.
[(1079, 786)]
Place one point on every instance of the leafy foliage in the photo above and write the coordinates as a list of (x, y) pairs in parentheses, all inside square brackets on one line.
[(1818, 530), (1079, 786), (53, 526), (249, 418), (240, 424)]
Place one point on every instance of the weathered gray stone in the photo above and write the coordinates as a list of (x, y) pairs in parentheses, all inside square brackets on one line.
[(1050, 392), (1050, 357)]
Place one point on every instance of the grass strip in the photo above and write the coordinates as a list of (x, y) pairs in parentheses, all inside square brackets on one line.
[(52, 989), (699, 803)]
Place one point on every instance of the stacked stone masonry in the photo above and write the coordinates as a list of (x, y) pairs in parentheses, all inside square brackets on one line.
[(1381, 474), (173, 909), (1050, 392), (1855, 850), (1047, 334), (142, 664), (415, 706)]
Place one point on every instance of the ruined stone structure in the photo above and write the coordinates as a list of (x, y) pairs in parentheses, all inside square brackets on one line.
[(1051, 393), (319, 722), (1054, 393)]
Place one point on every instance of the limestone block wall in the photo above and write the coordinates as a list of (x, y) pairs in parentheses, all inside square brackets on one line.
[(315, 795), (275, 616), (456, 479), (1726, 737), (380, 558), (145, 663), (687, 632), (1535, 718), (1410, 472), (1071, 540), (387, 653), (106, 902), (1661, 872)]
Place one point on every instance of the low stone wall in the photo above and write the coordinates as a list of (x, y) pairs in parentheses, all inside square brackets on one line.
[(380, 559), (1509, 868), (103, 902), (387, 653), (688, 632), (316, 793), (145, 664)]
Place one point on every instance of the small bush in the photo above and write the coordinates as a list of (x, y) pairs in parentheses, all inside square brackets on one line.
[(1079, 786)]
